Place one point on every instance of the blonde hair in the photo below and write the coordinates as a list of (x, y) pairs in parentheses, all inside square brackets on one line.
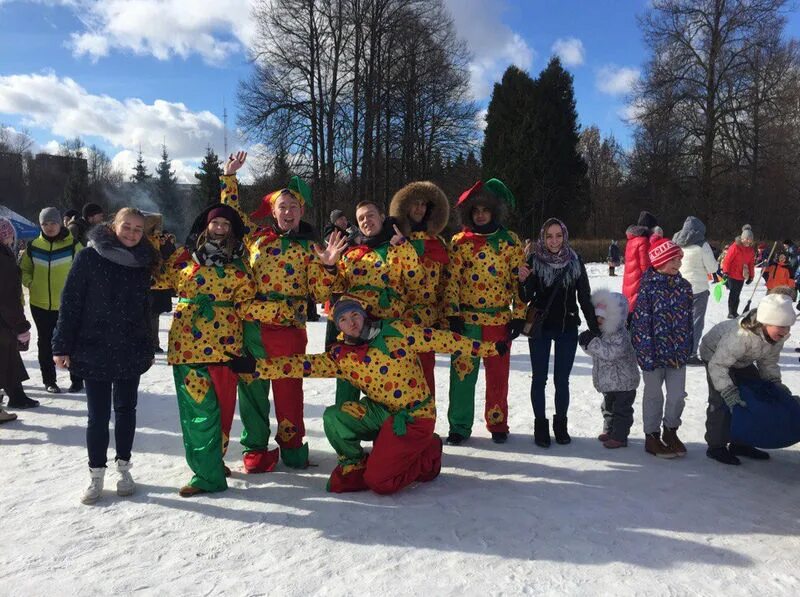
[(126, 211)]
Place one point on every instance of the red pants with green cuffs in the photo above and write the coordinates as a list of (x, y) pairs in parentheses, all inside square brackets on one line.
[(396, 460), (461, 410), (275, 341), (206, 403)]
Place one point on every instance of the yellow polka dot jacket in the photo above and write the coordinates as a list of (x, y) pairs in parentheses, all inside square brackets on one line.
[(482, 284), (426, 297), (382, 276), (285, 267), (385, 368)]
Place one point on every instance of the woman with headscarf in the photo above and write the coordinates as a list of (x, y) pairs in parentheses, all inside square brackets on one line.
[(555, 281)]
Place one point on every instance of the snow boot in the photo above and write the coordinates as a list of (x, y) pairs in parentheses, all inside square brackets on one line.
[(455, 439), (653, 445), (499, 437), (613, 444), (95, 489), (673, 442), (748, 451), (722, 455), (17, 399), (560, 430), (190, 491), (7, 417), (541, 433), (52, 388), (604, 437), (262, 461), (125, 485)]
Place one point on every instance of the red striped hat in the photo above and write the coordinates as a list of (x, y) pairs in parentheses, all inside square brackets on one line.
[(663, 250)]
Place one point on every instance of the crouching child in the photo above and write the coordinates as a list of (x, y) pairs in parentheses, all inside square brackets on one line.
[(398, 413), (734, 351), (614, 370)]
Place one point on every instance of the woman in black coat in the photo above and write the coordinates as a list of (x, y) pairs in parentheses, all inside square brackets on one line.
[(103, 336), (555, 271), (14, 328)]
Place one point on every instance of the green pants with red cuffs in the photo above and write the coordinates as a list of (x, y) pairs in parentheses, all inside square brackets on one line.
[(206, 403), (405, 449)]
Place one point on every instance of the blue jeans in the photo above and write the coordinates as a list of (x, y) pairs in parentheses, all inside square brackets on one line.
[(566, 344), (99, 397)]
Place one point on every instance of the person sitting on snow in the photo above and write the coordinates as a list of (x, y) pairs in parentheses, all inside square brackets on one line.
[(398, 413), (734, 351)]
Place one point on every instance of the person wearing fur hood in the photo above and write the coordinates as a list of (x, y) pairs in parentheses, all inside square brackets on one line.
[(614, 369), (421, 210), (736, 350), (288, 266), (636, 259), (483, 302), (698, 262), (555, 276)]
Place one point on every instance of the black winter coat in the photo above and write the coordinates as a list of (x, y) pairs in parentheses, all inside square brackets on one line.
[(563, 314), (104, 320), (12, 320)]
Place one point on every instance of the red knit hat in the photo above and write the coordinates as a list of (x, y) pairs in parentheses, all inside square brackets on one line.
[(221, 211), (663, 250)]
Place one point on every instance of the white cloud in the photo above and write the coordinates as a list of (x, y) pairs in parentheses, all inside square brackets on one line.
[(570, 50), (480, 119), (63, 108), (163, 28), (494, 45), (615, 80)]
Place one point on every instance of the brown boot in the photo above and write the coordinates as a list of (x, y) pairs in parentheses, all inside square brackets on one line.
[(673, 442), (653, 445), (190, 491)]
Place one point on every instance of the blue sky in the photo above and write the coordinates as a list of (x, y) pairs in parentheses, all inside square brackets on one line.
[(124, 73)]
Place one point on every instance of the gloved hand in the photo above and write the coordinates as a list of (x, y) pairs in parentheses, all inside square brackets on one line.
[(244, 363), (748, 281), (514, 328), (456, 325), (587, 336), (732, 397), (502, 347)]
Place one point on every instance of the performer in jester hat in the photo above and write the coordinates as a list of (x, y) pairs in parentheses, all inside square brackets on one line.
[(421, 210), (288, 266), (398, 413), (483, 302), (214, 288)]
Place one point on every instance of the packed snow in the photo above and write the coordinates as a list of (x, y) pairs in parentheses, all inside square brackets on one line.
[(500, 519)]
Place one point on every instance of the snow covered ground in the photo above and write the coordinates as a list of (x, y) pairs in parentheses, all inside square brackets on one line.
[(509, 519)]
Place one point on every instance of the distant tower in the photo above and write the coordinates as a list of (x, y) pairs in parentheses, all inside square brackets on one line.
[(225, 128)]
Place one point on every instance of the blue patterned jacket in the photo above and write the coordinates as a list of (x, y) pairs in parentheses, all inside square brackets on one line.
[(661, 328)]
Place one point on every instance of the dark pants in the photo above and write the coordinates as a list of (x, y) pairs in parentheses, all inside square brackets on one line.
[(617, 409), (734, 290), (154, 325), (718, 415), (99, 395), (45, 326), (566, 344)]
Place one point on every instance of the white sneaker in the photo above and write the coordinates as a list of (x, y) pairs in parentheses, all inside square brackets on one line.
[(95, 489), (125, 485)]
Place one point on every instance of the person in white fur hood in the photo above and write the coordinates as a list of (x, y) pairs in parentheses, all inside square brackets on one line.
[(614, 370), (733, 351)]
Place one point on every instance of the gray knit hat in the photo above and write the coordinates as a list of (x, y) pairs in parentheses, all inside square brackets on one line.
[(335, 215), (49, 214)]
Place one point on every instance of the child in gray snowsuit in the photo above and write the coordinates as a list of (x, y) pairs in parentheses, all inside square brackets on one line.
[(614, 369)]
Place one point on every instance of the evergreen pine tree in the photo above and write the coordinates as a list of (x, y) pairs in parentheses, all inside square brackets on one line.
[(166, 192), (140, 175), (506, 152), (207, 189), (559, 171)]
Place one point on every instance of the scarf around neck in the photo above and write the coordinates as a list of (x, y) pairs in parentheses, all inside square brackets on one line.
[(105, 242), (213, 254)]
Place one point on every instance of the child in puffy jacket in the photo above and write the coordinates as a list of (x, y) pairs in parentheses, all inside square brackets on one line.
[(614, 370), (662, 334), (779, 273)]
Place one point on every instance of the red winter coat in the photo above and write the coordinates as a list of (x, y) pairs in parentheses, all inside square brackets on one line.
[(636, 262), (736, 258)]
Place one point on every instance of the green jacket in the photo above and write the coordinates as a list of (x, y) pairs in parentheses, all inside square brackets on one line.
[(45, 266)]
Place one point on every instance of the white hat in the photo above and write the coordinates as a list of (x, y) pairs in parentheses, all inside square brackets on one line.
[(776, 309)]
